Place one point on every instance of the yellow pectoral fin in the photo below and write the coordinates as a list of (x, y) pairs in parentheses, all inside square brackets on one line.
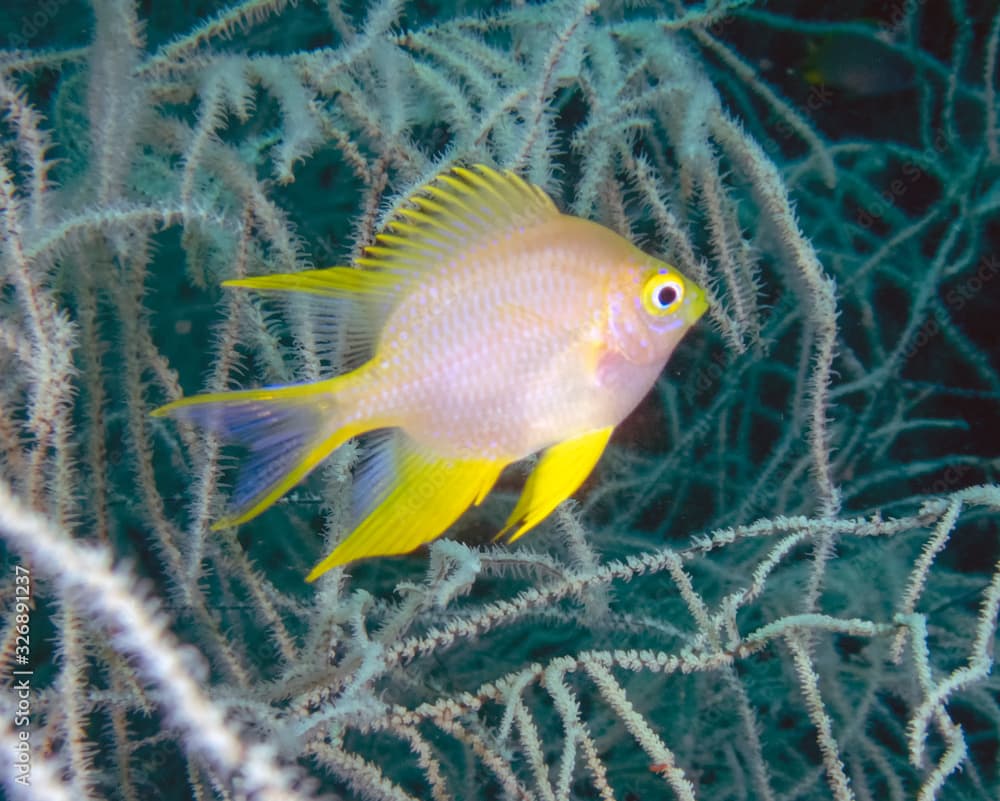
[(560, 471), (427, 495)]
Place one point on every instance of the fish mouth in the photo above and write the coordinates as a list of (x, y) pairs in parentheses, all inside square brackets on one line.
[(697, 303)]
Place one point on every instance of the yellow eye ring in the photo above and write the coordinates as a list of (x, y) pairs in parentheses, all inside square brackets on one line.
[(663, 294)]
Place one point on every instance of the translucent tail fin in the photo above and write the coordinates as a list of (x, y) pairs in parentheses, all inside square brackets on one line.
[(287, 431)]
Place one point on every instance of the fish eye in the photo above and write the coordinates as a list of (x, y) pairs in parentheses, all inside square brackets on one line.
[(662, 294)]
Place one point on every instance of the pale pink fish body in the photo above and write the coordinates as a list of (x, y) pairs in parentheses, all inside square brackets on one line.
[(496, 327), (502, 369)]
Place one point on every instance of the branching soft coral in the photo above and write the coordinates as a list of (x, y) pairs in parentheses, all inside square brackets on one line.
[(785, 585)]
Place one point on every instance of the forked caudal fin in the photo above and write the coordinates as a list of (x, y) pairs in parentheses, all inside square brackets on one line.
[(288, 431)]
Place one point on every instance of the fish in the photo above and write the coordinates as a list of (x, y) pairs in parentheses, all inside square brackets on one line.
[(487, 326), (861, 66)]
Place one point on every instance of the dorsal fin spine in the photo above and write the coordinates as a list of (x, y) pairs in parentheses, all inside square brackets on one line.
[(430, 220), (455, 210), (403, 242), (489, 186)]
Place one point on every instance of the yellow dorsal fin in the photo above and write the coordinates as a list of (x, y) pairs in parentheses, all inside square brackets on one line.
[(455, 211)]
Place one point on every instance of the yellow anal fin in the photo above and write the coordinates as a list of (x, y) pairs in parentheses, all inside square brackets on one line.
[(560, 471), (427, 495)]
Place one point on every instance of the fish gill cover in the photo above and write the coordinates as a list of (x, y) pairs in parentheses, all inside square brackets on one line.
[(782, 580)]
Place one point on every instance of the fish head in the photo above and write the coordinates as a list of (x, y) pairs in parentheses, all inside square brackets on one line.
[(650, 309)]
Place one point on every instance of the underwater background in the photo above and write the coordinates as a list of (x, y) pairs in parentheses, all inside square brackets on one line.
[(782, 580)]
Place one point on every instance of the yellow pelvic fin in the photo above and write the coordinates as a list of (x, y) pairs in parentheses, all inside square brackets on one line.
[(426, 495), (288, 431), (560, 471)]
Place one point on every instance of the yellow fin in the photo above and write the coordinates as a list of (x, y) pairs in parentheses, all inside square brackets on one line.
[(347, 307), (453, 212), (427, 495), (562, 469), (288, 431), (335, 282)]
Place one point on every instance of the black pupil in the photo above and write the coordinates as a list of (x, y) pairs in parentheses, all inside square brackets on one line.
[(666, 295)]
